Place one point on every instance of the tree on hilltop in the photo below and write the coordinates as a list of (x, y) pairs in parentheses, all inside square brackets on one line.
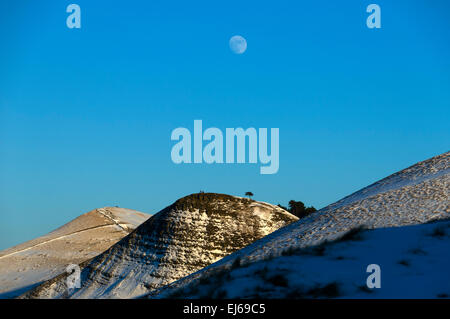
[(299, 209)]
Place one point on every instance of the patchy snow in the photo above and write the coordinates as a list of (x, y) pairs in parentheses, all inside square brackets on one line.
[(192, 233), (127, 219), (28, 264)]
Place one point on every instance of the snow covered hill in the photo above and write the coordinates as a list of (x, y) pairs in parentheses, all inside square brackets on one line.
[(413, 261), (415, 195), (190, 234), (26, 265)]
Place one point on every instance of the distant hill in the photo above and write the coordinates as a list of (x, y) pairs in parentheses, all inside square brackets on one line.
[(37, 260)]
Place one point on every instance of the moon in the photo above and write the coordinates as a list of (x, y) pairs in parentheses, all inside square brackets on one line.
[(238, 44)]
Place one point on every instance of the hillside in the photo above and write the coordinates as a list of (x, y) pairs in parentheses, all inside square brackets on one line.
[(188, 235), (415, 195), (28, 264), (413, 259)]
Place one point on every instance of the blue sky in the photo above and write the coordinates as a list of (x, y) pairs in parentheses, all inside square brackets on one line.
[(86, 115)]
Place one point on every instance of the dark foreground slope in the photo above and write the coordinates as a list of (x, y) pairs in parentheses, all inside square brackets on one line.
[(413, 263)]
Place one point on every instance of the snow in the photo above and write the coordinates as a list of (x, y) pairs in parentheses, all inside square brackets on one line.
[(123, 217), (413, 261), (187, 236), (24, 266), (191, 247)]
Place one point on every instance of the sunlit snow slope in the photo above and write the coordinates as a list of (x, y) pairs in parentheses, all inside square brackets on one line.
[(37, 260)]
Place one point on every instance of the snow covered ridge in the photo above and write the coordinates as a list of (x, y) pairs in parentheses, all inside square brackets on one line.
[(413, 259), (416, 195), (190, 234), (28, 264), (433, 167)]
